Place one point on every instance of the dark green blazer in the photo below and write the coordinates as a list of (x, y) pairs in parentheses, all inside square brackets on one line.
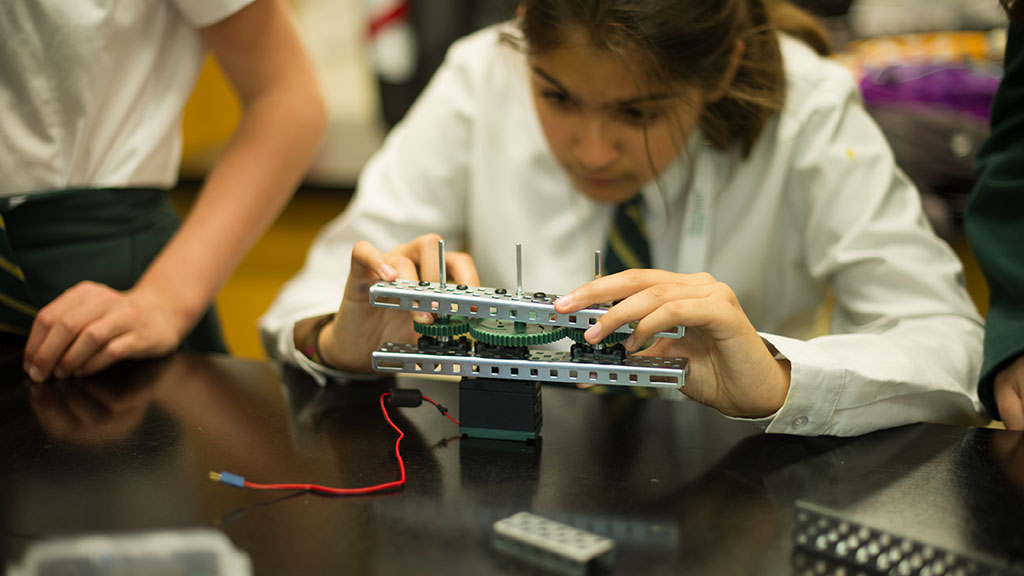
[(995, 220)]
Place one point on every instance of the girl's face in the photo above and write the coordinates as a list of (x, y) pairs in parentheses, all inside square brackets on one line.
[(611, 133)]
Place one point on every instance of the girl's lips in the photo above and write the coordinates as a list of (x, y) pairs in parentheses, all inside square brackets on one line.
[(597, 181)]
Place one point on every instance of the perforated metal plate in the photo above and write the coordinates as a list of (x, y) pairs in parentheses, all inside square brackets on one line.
[(542, 365), (477, 302)]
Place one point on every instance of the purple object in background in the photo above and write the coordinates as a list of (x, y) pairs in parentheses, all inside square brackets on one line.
[(955, 87)]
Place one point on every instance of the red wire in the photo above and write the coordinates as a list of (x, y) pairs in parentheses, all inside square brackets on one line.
[(443, 410), (354, 491)]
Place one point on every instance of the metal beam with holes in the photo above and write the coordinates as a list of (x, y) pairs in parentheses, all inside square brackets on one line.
[(541, 365), (478, 302)]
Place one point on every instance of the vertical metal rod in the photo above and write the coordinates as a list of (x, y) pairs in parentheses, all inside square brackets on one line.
[(442, 269), (597, 274), (519, 270)]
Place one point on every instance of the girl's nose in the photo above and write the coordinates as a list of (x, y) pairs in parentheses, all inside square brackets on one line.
[(594, 148)]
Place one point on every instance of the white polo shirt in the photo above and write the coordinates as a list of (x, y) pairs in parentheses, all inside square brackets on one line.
[(92, 91)]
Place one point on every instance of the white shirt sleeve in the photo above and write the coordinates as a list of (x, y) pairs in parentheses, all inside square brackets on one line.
[(202, 13), (906, 339), (414, 185)]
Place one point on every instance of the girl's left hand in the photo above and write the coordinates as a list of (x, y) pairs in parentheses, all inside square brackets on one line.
[(731, 367)]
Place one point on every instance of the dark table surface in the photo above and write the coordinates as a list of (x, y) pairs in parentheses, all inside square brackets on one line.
[(680, 488)]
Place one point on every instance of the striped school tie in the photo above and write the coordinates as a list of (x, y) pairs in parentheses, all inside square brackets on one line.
[(627, 248), (16, 314), (627, 238)]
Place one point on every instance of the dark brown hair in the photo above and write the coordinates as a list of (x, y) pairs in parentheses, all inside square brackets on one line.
[(689, 42)]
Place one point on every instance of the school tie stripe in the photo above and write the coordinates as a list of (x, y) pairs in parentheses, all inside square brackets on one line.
[(16, 314), (627, 238), (627, 248)]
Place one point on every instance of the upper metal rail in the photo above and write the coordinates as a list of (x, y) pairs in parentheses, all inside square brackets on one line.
[(480, 302)]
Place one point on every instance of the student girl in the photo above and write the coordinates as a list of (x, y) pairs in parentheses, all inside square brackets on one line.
[(761, 184), (93, 269)]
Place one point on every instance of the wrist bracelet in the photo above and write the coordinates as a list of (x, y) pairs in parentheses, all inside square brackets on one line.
[(312, 350)]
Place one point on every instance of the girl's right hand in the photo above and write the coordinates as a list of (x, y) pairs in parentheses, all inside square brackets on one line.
[(358, 329)]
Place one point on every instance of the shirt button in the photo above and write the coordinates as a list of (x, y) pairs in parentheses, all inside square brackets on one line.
[(799, 421)]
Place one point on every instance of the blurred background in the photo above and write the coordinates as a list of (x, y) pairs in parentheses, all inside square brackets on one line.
[(927, 71)]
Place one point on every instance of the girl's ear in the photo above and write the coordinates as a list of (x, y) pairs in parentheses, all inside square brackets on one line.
[(730, 73)]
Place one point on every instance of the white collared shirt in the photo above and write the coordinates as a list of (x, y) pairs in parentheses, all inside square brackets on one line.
[(818, 205), (92, 91)]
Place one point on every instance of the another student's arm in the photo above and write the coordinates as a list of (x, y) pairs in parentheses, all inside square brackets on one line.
[(91, 326)]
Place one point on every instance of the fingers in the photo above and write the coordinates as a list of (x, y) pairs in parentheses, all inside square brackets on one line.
[(1011, 410), (664, 307), (114, 351), (407, 269), (712, 308), (92, 326), (422, 253), (59, 328), (622, 285), (1009, 393), (462, 269), (459, 266), (92, 343), (67, 352), (367, 258)]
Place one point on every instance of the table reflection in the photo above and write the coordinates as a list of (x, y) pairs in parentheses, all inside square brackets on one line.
[(679, 488)]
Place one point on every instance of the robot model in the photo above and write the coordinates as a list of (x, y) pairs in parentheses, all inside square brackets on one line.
[(501, 374)]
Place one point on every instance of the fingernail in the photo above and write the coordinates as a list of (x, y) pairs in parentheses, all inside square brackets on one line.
[(387, 272), (629, 342), (35, 374), (564, 301), (423, 317), (593, 333)]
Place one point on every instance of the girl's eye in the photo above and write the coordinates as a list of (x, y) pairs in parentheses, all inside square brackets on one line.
[(641, 115), (555, 97)]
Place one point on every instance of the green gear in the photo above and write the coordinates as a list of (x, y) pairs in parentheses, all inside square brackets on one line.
[(444, 326), (576, 335), (494, 332)]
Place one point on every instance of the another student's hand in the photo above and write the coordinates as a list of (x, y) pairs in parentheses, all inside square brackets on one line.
[(1009, 393), (359, 328), (731, 369), (91, 326)]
